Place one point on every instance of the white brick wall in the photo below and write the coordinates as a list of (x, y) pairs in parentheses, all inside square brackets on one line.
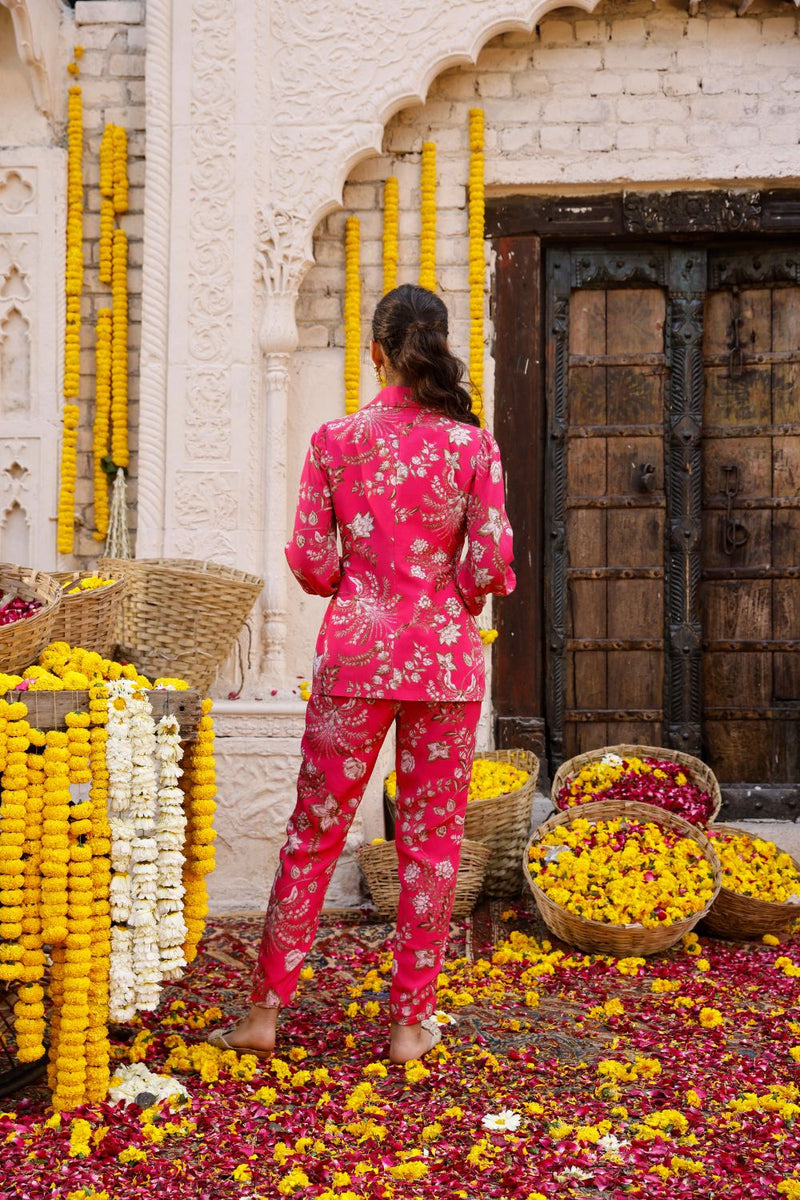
[(112, 33), (639, 93)]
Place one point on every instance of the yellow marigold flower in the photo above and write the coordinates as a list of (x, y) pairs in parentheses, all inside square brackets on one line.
[(710, 1018), (409, 1171), (132, 1154), (415, 1071)]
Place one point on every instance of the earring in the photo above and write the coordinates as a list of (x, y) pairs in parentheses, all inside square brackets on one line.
[(378, 375)]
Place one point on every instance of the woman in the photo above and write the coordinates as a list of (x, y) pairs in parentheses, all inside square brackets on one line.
[(406, 482)]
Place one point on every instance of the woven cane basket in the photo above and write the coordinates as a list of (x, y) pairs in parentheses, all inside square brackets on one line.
[(700, 774), (89, 619), (598, 937), (501, 822), (741, 918), (180, 616), (379, 864), (23, 642)]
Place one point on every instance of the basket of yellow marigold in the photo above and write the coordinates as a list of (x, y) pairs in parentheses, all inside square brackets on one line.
[(29, 604), (379, 863), (760, 890), (621, 878), (90, 607), (498, 814), (658, 775)]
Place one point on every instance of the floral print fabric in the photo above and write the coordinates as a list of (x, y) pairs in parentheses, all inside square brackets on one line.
[(407, 490), (435, 747)]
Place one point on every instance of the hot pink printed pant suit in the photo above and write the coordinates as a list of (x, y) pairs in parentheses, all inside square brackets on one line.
[(406, 489)]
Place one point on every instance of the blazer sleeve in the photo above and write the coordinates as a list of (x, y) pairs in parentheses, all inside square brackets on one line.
[(487, 565), (312, 552)]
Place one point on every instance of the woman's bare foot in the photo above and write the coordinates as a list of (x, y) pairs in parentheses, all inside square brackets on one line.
[(410, 1041), (256, 1031)]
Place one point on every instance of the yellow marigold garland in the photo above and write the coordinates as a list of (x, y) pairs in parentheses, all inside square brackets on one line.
[(72, 330), (97, 1046), (477, 206), (199, 784), (119, 349), (427, 239), (352, 316), (120, 193), (391, 215), (102, 416), (29, 1021), (107, 165), (12, 840), (69, 1060)]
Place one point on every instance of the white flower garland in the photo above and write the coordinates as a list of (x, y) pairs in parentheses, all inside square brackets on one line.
[(170, 836), (148, 828), (119, 761)]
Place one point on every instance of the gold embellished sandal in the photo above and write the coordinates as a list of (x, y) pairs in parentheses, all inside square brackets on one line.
[(218, 1038), (431, 1026)]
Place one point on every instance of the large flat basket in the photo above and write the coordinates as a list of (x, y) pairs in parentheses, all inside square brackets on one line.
[(698, 771), (181, 617), (599, 937)]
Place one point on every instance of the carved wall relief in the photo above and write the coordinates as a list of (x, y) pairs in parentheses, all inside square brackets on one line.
[(32, 184), (16, 192), (15, 364)]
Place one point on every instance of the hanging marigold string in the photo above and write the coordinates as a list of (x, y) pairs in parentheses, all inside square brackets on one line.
[(477, 207), (427, 241), (119, 349), (106, 203), (102, 418), (391, 214), (65, 530), (352, 315)]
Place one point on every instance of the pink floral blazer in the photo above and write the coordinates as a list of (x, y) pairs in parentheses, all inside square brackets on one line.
[(406, 489)]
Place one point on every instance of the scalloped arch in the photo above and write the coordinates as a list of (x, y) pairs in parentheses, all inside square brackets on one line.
[(328, 67)]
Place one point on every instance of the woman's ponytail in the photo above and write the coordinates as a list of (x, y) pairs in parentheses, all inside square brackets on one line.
[(410, 323)]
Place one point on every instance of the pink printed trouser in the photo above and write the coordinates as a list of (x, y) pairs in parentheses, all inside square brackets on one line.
[(435, 748)]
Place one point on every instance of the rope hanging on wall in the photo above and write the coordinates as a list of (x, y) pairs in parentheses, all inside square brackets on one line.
[(117, 542)]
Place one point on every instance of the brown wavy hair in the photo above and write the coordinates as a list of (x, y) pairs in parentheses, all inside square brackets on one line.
[(410, 323)]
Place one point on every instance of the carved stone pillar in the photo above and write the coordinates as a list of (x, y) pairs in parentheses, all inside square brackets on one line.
[(284, 258)]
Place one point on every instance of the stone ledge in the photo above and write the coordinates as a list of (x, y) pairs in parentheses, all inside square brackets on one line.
[(109, 12)]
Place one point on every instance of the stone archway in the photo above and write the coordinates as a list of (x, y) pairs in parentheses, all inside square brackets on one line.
[(302, 98)]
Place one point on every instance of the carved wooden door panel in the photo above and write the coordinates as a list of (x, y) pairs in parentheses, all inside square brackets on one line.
[(750, 593), (607, 504)]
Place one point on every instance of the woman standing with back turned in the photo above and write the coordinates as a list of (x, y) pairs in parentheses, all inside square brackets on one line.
[(406, 481)]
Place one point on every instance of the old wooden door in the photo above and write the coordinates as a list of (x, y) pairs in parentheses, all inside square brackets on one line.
[(673, 505), (750, 595)]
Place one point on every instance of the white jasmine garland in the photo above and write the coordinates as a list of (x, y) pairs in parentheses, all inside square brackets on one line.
[(170, 836)]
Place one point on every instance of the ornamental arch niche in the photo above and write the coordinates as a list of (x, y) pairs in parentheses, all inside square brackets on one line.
[(302, 92)]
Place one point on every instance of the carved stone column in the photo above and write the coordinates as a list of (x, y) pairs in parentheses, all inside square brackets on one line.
[(283, 256)]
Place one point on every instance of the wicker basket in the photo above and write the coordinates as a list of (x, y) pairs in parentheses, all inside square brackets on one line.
[(502, 823), (701, 774), (743, 917), (89, 619), (379, 864), (180, 616), (23, 642), (597, 937)]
